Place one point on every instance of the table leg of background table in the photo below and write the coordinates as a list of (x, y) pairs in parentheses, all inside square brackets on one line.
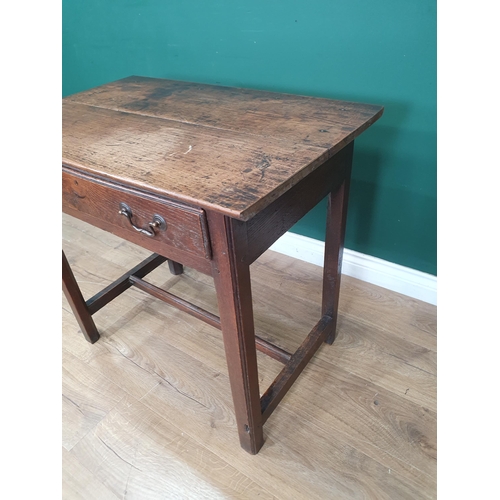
[(334, 249), (232, 282), (77, 302)]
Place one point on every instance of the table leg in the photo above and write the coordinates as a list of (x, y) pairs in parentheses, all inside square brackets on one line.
[(175, 268), (77, 302), (232, 282), (334, 249)]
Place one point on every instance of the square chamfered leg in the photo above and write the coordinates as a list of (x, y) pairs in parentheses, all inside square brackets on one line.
[(236, 245), (334, 248), (77, 302), (83, 310), (232, 283)]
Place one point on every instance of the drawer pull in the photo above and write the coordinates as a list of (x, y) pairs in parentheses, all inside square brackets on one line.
[(158, 221)]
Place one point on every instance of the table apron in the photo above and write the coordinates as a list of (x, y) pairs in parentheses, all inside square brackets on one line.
[(185, 240)]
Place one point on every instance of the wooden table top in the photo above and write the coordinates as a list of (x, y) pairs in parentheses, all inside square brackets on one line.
[(222, 148)]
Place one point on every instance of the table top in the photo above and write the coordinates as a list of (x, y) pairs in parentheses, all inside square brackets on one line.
[(221, 148)]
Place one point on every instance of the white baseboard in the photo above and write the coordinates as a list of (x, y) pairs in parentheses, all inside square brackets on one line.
[(416, 284)]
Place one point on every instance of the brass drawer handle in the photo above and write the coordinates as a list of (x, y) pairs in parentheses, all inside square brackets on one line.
[(158, 221)]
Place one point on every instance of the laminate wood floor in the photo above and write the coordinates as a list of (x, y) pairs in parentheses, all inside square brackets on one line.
[(147, 410)]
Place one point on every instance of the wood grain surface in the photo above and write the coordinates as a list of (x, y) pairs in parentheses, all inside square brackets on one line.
[(148, 413), (230, 150)]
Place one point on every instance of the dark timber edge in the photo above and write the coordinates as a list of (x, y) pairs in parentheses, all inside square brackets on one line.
[(262, 345), (77, 303), (273, 351), (118, 286), (274, 394), (175, 301)]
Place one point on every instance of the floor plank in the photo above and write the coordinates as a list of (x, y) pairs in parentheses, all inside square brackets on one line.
[(147, 410), (78, 483), (87, 397), (136, 453)]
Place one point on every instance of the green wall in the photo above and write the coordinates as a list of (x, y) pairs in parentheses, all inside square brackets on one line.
[(380, 52)]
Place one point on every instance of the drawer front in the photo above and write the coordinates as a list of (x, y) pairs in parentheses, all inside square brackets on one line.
[(185, 227)]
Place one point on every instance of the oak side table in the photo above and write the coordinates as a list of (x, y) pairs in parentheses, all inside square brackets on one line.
[(210, 177)]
